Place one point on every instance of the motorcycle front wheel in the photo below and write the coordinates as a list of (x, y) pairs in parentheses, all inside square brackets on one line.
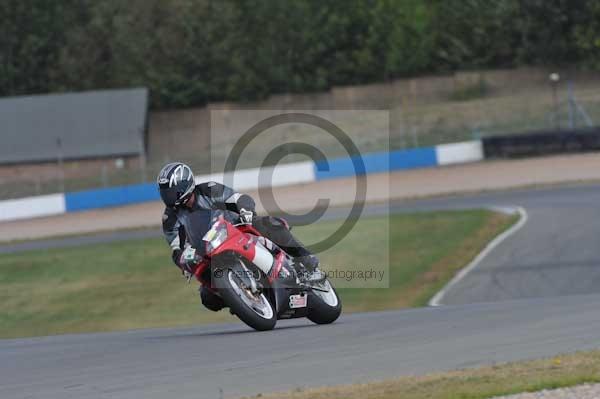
[(253, 308)]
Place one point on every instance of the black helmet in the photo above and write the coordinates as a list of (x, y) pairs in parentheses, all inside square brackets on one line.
[(175, 183)]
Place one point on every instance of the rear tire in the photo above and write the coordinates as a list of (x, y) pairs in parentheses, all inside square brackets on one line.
[(262, 317), (324, 308)]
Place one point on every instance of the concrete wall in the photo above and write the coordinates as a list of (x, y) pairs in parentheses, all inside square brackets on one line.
[(179, 133), (45, 171)]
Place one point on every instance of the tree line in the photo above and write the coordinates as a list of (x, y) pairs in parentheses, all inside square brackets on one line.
[(190, 52)]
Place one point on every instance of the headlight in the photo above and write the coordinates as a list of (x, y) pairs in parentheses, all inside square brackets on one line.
[(215, 236)]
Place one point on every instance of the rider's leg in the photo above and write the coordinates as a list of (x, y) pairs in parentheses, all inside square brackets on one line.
[(275, 230)]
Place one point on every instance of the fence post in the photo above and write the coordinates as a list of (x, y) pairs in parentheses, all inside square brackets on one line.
[(143, 174), (104, 176), (554, 79), (60, 163), (571, 105)]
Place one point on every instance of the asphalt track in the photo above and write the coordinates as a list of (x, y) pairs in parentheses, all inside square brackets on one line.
[(536, 294)]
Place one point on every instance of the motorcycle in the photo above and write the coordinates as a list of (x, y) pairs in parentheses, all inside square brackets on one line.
[(259, 282)]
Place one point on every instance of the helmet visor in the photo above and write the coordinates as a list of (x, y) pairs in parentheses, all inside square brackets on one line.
[(183, 198)]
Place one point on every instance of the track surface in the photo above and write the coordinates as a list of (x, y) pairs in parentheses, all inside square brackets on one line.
[(196, 363), (555, 257), (556, 253)]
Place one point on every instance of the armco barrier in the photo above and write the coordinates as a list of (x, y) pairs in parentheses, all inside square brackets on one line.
[(468, 151), (248, 179), (30, 207), (113, 196), (542, 143), (273, 176), (377, 163)]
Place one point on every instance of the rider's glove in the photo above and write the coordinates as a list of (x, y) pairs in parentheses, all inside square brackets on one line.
[(188, 260), (187, 275), (246, 216)]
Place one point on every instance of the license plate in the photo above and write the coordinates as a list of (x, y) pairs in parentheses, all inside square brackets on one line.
[(298, 301)]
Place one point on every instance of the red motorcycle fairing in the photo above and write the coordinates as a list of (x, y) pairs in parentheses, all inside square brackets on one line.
[(242, 246), (247, 242)]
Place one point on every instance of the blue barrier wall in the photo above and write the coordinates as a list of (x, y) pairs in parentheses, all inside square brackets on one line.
[(445, 154), (376, 163), (335, 168), (113, 196)]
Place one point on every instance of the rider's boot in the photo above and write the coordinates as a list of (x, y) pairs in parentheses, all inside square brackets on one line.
[(309, 268), (211, 300)]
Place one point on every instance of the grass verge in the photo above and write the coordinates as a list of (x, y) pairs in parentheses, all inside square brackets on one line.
[(423, 251), (126, 285), (481, 383)]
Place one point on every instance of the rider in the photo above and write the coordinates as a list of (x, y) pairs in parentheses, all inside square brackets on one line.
[(191, 209)]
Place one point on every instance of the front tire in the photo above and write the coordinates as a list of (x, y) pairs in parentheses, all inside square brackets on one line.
[(324, 307), (254, 309)]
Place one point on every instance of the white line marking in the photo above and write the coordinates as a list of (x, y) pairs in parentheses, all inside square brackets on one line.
[(437, 299)]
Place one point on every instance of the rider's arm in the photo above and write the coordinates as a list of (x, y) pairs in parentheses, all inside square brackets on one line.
[(224, 197), (174, 234)]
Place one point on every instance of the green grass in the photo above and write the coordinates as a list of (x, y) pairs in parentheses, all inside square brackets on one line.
[(481, 383), (423, 251), (134, 284)]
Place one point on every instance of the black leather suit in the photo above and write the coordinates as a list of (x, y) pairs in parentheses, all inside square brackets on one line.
[(186, 226)]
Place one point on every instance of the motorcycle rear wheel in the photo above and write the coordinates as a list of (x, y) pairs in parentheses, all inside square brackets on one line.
[(324, 307)]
